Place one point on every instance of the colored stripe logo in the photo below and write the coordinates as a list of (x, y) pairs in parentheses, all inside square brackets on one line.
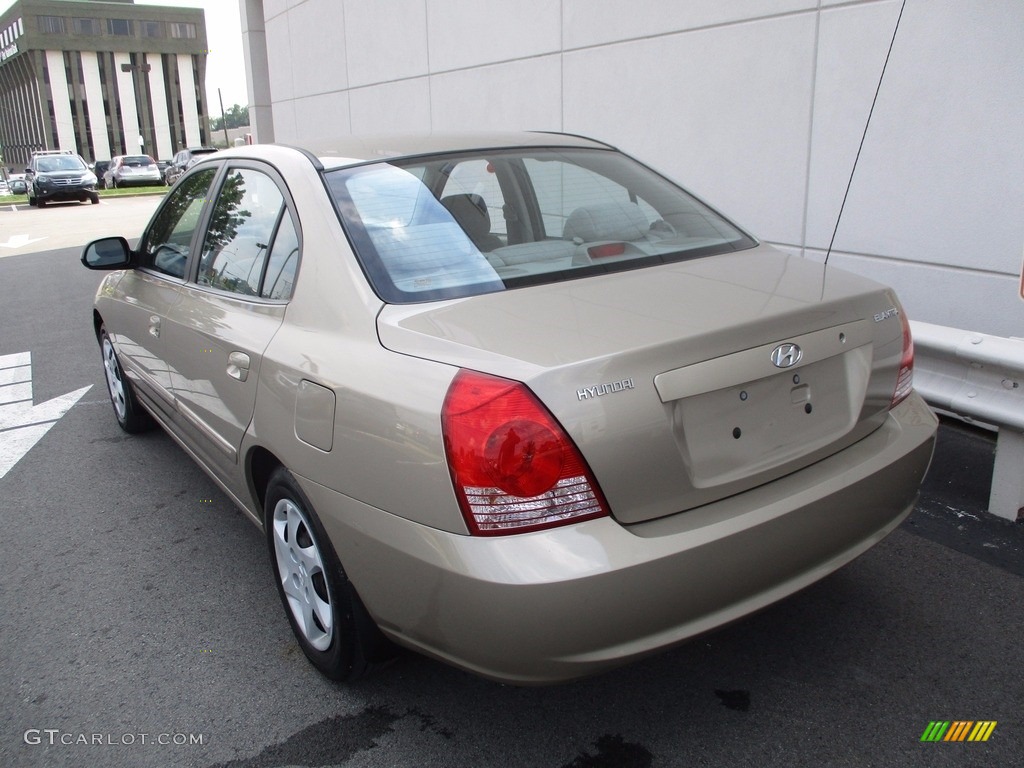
[(958, 730)]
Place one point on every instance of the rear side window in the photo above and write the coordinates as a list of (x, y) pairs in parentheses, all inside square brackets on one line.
[(250, 246), (458, 225)]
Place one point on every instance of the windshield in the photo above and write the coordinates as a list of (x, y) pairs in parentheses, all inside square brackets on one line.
[(449, 226), (60, 163), (137, 161)]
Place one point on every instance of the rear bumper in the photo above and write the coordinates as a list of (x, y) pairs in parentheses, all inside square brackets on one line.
[(554, 605), (140, 181)]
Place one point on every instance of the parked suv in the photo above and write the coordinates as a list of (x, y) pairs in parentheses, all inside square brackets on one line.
[(58, 176), (184, 160)]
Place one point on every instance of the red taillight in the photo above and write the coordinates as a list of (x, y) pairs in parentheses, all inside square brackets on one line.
[(513, 466), (905, 379)]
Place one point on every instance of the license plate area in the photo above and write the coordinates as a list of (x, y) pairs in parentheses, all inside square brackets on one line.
[(773, 416)]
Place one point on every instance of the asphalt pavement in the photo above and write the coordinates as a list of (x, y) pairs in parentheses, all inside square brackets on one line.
[(139, 625)]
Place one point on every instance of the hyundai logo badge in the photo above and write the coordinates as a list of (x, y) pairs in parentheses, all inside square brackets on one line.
[(786, 355)]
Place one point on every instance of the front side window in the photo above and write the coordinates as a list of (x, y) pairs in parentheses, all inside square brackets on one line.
[(250, 247), (165, 246), (458, 225)]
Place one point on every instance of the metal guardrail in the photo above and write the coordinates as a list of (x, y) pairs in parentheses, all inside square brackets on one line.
[(979, 378)]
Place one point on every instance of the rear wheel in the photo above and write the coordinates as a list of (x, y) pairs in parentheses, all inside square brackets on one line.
[(131, 416), (329, 620)]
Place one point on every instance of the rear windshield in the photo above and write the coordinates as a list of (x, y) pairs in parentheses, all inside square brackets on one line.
[(139, 160), (450, 226)]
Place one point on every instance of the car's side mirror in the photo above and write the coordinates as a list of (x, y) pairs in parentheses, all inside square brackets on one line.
[(107, 253)]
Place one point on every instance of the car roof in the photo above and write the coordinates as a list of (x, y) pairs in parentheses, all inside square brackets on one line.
[(350, 150)]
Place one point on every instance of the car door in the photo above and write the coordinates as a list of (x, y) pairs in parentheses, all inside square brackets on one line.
[(231, 308), (143, 298)]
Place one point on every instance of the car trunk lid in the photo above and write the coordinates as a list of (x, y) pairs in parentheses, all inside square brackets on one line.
[(683, 383)]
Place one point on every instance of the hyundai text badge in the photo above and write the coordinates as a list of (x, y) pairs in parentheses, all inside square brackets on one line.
[(786, 355)]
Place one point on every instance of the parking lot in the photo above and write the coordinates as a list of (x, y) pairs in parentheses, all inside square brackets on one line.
[(141, 627)]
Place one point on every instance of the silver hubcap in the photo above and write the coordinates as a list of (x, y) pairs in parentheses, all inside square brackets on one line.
[(302, 573), (114, 383)]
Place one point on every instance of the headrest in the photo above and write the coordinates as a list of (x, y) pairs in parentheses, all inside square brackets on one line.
[(470, 212), (606, 221)]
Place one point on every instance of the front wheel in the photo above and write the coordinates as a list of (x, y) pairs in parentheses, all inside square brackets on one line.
[(329, 620), (94, 198), (131, 416)]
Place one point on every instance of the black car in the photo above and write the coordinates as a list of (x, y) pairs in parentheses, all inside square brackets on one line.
[(58, 176), (184, 160), (98, 169)]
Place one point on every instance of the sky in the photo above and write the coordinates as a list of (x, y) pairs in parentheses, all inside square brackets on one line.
[(225, 67)]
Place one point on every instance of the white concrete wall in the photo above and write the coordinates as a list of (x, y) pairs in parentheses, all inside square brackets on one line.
[(756, 105), (162, 119), (129, 108), (97, 115), (61, 101)]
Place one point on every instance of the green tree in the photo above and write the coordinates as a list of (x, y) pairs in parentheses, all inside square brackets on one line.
[(237, 117)]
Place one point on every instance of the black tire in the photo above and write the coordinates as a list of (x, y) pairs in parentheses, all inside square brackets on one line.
[(32, 200), (353, 645), (40, 203), (131, 416), (94, 198)]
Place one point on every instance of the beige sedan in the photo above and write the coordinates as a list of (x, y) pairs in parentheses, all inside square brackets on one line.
[(516, 401)]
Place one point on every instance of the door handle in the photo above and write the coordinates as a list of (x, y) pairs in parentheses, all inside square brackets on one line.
[(238, 365), (154, 326)]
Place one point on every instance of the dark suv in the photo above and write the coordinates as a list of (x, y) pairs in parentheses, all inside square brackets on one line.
[(184, 160), (56, 176)]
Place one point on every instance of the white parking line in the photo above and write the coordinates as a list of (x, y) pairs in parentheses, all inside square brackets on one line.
[(22, 424), (20, 241)]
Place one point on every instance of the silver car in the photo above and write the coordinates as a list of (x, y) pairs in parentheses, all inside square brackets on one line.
[(132, 171), (517, 402)]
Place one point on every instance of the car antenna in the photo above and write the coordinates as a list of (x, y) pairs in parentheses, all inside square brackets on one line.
[(871, 111)]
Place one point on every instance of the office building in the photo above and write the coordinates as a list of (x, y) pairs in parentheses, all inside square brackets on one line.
[(101, 79)]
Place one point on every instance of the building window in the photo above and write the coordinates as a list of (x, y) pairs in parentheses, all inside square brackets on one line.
[(87, 27), (120, 27), (51, 25), (151, 28), (183, 30)]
